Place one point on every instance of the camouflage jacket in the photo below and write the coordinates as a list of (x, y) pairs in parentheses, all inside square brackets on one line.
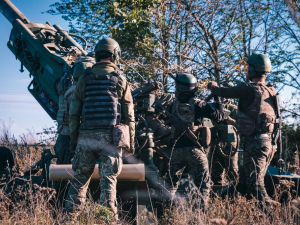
[(201, 109), (254, 103), (124, 96), (242, 91)]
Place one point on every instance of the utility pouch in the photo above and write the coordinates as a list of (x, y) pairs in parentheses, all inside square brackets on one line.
[(245, 124), (204, 135), (267, 122), (121, 136)]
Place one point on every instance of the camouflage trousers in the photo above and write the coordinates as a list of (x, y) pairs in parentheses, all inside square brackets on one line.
[(62, 149), (220, 164), (94, 147), (199, 172), (258, 154)]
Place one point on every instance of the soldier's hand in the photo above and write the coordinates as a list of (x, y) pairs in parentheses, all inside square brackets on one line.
[(127, 154), (211, 85), (132, 148), (230, 84), (230, 121)]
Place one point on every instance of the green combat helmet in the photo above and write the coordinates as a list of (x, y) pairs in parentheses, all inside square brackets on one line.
[(80, 68), (108, 45), (258, 64), (186, 83)]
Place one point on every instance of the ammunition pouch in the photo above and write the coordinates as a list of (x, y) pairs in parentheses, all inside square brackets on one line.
[(245, 124), (204, 136), (268, 122), (121, 136)]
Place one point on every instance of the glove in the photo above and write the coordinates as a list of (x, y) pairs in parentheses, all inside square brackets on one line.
[(219, 104), (129, 151), (211, 85), (217, 99)]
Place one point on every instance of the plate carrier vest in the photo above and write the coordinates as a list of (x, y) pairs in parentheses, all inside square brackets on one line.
[(101, 107), (185, 112), (260, 116), (63, 106)]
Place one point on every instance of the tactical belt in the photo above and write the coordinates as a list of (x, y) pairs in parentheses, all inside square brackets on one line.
[(100, 127), (260, 135)]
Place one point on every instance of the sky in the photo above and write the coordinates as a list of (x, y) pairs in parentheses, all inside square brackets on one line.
[(16, 103)]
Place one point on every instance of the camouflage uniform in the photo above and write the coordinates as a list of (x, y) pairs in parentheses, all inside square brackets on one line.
[(191, 111), (96, 144), (255, 104), (258, 154), (92, 147), (220, 163), (62, 146)]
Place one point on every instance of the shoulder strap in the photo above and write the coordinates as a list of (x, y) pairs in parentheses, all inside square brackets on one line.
[(88, 75), (115, 73), (268, 89), (115, 76)]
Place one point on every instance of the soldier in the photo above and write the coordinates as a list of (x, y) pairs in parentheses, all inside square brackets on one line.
[(191, 111), (62, 146), (220, 162), (101, 99), (7, 164), (255, 119)]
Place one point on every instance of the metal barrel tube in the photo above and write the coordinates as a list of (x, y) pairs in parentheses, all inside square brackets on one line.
[(11, 12), (129, 172)]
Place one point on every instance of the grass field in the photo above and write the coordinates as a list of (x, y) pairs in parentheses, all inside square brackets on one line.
[(38, 205)]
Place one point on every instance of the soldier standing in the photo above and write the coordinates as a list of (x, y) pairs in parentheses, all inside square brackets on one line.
[(191, 111), (62, 146), (101, 99), (255, 119)]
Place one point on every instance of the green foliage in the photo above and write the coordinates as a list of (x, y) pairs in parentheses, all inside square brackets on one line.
[(214, 38)]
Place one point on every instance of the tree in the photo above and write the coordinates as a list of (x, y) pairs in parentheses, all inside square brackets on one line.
[(214, 38)]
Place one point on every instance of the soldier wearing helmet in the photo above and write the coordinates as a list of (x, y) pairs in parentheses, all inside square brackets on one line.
[(255, 120), (191, 111), (62, 147), (101, 101)]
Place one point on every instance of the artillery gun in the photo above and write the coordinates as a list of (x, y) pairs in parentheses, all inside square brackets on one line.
[(49, 53)]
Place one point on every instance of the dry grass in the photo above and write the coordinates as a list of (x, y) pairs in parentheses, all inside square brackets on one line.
[(237, 211), (37, 205), (31, 204)]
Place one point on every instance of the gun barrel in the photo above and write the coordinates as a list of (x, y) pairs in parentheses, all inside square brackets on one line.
[(11, 12)]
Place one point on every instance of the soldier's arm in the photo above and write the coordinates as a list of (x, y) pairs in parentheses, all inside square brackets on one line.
[(240, 91), (76, 109), (125, 99), (203, 109)]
